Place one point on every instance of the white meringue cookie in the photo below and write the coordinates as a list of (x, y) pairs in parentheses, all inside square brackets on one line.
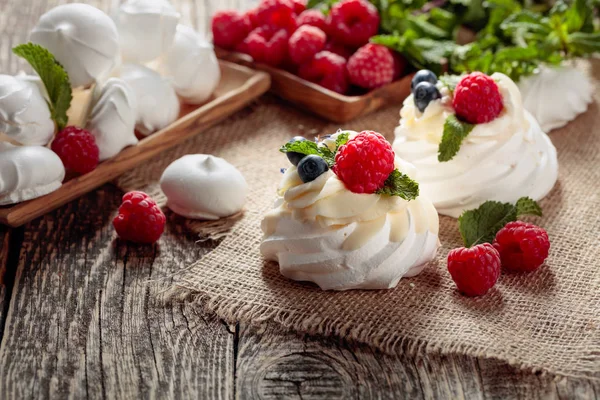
[(157, 102), (82, 38), (556, 95), (323, 233), (28, 172), (24, 113), (193, 65), (201, 186), (112, 120), (146, 29), (502, 160)]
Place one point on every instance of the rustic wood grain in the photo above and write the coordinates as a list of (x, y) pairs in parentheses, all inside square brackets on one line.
[(320, 101), (87, 320)]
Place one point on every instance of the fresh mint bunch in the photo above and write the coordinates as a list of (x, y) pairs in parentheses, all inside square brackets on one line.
[(482, 224), (53, 76)]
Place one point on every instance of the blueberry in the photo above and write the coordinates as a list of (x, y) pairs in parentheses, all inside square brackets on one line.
[(423, 75), (424, 93), (292, 156), (311, 167)]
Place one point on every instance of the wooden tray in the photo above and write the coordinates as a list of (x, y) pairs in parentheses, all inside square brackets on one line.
[(239, 86), (318, 100)]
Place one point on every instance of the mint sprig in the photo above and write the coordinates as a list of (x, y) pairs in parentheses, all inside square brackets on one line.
[(53, 76), (482, 224), (401, 185), (308, 147), (450, 81), (455, 131)]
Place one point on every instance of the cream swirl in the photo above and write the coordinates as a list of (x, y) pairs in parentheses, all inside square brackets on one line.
[(321, 232), (503, 160)]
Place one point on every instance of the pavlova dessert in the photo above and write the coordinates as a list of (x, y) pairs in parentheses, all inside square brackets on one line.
[(348, 215), (471, 141), (84, 105)]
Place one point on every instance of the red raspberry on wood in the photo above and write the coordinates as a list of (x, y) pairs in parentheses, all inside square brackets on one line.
[(140, 219), (338, 49), (364, 162), (266, 45), (328, 70), (314, 18), (477, 99), (229, 28), (371, 66), (353, 22), (305, 43), (475, 270), (277, 14), (77, 149), (523, 247)]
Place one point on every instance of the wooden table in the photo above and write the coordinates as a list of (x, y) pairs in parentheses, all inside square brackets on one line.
[(80, 315)]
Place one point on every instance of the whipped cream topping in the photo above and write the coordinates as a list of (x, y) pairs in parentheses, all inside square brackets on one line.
[(112, 120), (82, 38), (323, 233), (192, 64), (146, 29), (503, 160), (24, 114), (556, 95), (157, 102), (201, 186), (28, 172)]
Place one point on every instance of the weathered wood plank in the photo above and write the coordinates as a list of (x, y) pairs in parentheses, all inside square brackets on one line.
[(86, 317)]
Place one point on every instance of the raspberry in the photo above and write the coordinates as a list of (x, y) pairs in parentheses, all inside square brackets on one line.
[(314, 18), (371, 66), (364, 162), (477, 99), (353, 22), (229, 28), (474, 270), (522, 246), (266, 45), (277, 14), (399, 65), (77, 149), (305, 43), (328, 70), (140, 219), (252, 16), (299, 6), (338, 49)]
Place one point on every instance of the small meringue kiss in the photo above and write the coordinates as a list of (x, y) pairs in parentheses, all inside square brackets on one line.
[(193, 66), (112, 120), (28, 172), (146, 29), (24, 114), (157, 102), (201, 186), (82, 38)]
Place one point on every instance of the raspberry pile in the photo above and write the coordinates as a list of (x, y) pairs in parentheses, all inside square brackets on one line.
[(332, 51), (518, 247), (140, 220)]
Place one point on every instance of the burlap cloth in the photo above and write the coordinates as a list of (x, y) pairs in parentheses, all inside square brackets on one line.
[(546, 321)]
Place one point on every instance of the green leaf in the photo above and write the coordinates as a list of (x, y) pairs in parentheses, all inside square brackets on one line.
[(482, 224), (581, 44), (455, 131), (399, 184), (450, 81), (308, 147), (55, 79)]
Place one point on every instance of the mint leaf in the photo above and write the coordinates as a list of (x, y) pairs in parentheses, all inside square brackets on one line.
[(454, 132), (308, 147), (399, 184), (450, 81), (528, 206), (55, 79), (482, 224)]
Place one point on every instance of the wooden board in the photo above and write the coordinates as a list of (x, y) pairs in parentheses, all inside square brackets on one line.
[(318, 100), (239, 86)]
